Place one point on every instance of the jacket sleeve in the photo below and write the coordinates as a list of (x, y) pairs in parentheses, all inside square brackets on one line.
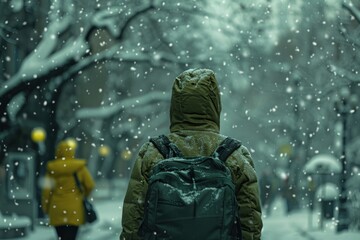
[(87, 181), (248, 197), (133, 207)]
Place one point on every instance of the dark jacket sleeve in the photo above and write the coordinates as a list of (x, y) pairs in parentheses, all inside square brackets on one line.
[(247, 191)]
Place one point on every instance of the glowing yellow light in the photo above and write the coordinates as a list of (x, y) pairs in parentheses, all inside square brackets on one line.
[(38, 134), (126, 154), (286, 149), (104, 150)]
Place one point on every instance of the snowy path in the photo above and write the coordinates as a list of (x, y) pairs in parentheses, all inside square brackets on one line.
[(300, 226), (107, 227), (278, 226)]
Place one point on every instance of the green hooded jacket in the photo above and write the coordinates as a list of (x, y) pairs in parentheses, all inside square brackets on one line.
[(194, 128)]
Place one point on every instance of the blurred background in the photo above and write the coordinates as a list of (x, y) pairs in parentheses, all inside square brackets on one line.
[(100, 72)]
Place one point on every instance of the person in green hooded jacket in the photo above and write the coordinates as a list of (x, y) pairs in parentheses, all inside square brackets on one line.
[(195, 129)]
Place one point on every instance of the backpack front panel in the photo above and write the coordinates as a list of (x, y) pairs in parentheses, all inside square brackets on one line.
[(189, 199)]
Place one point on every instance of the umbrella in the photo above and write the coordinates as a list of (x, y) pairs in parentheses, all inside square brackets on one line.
[(323, 163)]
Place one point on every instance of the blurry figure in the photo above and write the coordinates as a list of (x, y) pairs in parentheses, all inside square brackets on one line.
[(289, 194), (61, 198), (268, 186), (311, 193)]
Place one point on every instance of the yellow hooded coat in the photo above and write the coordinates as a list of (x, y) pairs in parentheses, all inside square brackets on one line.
[(194, 128), (61, 198)]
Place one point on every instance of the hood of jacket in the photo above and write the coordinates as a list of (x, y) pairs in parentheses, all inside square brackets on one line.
[(59, 167), (65, 149), (195, 102), (65, 161)]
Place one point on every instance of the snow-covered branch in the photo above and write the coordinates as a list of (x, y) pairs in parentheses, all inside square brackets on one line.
[(352, 9), (131, 18), (109, 19), (48, 60), (43, 59), (114, 54), (4, 33), (108, 111), (341, 72)]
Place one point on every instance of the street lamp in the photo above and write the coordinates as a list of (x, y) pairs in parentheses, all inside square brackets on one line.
[(126, 154), (104, 150), (104, 163), (344, 106), (38, 135)]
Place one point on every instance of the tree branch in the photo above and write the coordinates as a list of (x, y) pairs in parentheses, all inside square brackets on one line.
[(43, 63), (109, 19), (132, 17), (343, 73), (108, 111), (348, 5)]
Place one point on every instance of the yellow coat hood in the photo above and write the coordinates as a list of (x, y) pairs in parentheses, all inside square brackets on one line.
[(65, 161)]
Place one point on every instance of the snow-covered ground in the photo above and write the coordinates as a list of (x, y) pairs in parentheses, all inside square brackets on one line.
[(277, 226), (301, 225), (106, 227), (108, 200)]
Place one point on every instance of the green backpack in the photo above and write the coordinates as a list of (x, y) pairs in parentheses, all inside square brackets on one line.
[(191, 198)]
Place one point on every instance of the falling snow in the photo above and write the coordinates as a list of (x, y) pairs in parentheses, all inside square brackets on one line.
[(101, 73)]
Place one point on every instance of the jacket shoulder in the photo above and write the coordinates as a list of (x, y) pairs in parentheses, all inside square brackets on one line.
[(241, 164)]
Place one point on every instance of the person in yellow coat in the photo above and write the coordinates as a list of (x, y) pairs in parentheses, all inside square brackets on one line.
[(61, 197)]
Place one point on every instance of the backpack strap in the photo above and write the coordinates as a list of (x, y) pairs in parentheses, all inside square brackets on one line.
[(227, 147), (77, 181), (166, 147)]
